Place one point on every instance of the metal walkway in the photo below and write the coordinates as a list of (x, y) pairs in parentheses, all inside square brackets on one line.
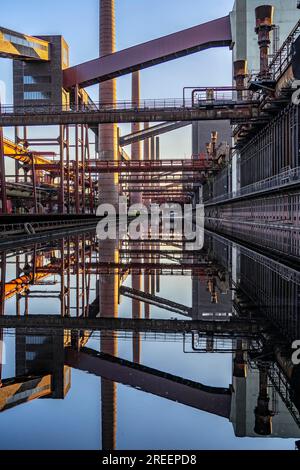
[(127, 112), (215, 400), (216, 33)]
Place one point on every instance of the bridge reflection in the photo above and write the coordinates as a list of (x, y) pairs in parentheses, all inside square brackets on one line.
[(242, 303)]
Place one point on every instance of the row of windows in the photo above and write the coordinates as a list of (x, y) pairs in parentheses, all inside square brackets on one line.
[(27, 394), (30, 80), (24, 42), (37, 95), (36, 339)]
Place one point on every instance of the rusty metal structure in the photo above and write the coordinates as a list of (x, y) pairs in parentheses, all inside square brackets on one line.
[(87, 163), (64, 268), (69, 180), (263, 208), (61, 179)]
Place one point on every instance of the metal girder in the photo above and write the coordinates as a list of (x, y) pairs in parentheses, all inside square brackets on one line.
[(160, 302), (234, 111), (12, 390), (23, 155), (57, 322), (213, 400), (143, 166), (215, 33), (15, 45), (150, 132)]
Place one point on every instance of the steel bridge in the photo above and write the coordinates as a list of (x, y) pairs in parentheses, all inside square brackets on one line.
[(148, 111)]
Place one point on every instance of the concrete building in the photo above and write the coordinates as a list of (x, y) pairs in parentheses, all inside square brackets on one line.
[(40, 353), (244, 404), (243, 28), (42, 82), (245, 43)]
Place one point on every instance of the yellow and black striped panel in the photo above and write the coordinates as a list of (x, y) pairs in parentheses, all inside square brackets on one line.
[(18, 152), (14, 45), (13, 392)]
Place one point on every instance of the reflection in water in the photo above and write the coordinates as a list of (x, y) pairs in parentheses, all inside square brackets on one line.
[(242, 305)]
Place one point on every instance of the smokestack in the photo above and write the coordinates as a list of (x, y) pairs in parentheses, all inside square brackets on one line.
[(240, 70), (214, 139), (263, 415), (136, 149), (108, 134), (109, 192), (264, 25)]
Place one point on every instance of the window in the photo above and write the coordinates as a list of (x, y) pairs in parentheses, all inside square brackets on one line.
[(30, 355), (36, 339), (24, 42), (27, 394), (30, 80), (37, 95)]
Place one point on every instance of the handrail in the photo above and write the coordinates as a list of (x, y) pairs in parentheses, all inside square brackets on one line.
[(285, 178)]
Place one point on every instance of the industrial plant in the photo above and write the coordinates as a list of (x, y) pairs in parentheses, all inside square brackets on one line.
[(204, 334)]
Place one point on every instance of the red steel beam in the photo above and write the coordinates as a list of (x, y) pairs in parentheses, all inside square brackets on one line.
[(143, 166), (213, 400), (216, 33), (151, 166)]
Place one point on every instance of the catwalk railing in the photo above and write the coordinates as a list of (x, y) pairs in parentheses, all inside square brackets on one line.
[(290, 177), (219, 96), (284, 55)]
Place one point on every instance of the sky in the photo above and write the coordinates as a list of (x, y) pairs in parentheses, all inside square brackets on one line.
[(137, 21)]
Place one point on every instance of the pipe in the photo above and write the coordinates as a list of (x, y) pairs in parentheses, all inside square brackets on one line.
[(240, 72), (264, 25), (136, 150)]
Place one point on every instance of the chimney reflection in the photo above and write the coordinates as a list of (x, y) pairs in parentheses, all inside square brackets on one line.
[(108, 308)]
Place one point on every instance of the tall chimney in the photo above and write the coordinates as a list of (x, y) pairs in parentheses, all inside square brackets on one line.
[(109, 191), (264, 25), (108, 134)]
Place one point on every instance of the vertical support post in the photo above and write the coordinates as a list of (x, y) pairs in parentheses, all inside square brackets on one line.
[(62, 171), (2, 175), (2, 172), (77, 248), (136, 150), (83, 286), (157, 158), (87, 160), (2, 305), (17, 164), (264, 25), (62, 279), (146, 275), (68, 172), (76, 183), (33, 172), (68, 293), (82, 168)]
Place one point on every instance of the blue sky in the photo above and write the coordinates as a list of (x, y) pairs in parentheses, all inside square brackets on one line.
[(136, 21)]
